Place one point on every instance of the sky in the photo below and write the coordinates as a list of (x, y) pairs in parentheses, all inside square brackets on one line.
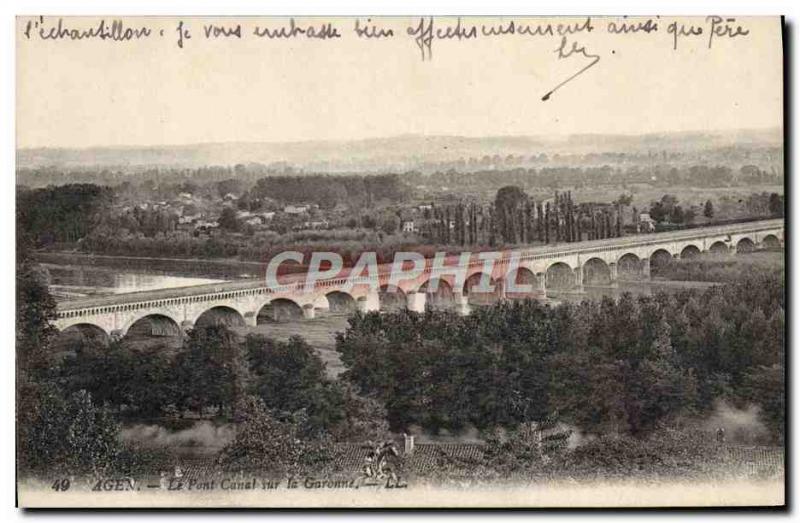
[(151, 92)]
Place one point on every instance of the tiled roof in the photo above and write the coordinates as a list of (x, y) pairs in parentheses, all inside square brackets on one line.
[(429, 456), (424, 458)]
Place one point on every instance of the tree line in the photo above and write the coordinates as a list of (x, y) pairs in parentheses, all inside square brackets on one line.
[(58, 214), (607, 172), (328, 191), (514, 218)]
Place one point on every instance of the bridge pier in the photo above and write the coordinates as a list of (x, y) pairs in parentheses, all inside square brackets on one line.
[(308, 311), (462, 304), (116, 335), (251, 319), (500, 289), (541, 282), (579, 278), (612, 267), (415, 301), (369, 303), (646, 268)]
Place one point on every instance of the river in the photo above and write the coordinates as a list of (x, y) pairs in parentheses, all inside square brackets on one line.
[(79, 275)]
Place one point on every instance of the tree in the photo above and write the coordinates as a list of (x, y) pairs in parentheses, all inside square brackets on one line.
[(708, 209), (55, 434), (64, 213), (775, 205), (67, 435), (233, 186), (284, 373), (624, 199), (271, 446), (290, 378), (209, 369), (152, 387), (389, 224), (228, 220), (363, 418), (508, 201), (103, 370), (35, 311)]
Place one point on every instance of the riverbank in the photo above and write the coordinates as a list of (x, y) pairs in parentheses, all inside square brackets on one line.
[(225, 269)]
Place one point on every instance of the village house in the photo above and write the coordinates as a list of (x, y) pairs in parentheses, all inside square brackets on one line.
[(409, 226), (296, 209), (645, 223), (319, 224), (205, 226), (189, 218)]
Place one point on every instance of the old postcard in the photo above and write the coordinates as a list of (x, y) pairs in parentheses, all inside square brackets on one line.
[(400, 261)]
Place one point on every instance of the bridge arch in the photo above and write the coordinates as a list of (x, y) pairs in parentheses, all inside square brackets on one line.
[(438, 293), (475, 295), (83, 324), (570, 261), (220, 315), (560, 276), (340, 302), (629, 267), (745, 245), (718, 247), (78, 334), (279, 310), (659, 259), (596, 272), (391, 298), (152, 325), (689, 252), (770, 241), (524, 278)]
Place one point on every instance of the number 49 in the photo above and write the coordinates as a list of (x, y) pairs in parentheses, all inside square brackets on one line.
[(61, 484)]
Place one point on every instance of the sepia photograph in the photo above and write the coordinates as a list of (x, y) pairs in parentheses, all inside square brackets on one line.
[(400, 261)]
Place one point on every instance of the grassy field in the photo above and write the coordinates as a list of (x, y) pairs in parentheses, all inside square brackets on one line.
[(320, 333), (723, 268)]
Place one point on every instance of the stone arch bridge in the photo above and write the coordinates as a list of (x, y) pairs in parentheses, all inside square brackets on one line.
[(561, 267)]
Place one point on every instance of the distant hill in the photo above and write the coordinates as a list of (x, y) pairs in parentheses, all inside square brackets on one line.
[(400, 152)]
